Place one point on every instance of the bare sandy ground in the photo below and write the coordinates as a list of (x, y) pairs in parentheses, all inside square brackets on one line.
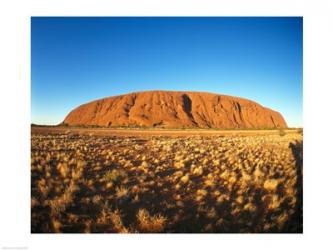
[(152, 132)]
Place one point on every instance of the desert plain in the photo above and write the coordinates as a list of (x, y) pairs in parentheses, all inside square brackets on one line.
[(103, 180)]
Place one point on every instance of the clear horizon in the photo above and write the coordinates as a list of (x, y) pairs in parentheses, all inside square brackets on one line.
[(77, 60)]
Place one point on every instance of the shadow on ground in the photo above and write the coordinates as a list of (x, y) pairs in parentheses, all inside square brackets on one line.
[(295, 224)]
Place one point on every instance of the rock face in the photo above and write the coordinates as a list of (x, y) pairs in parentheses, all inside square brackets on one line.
[(171, 109)]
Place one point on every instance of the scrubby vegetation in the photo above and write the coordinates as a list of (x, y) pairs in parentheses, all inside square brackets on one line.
[(282, 132), (87, 183)]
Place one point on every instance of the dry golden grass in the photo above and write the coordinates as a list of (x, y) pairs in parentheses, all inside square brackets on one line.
[(88, 183), (148, 223)]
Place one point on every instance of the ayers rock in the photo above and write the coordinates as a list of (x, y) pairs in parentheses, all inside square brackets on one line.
[(173, 109)]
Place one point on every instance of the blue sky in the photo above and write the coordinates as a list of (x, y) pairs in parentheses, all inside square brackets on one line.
[(76, 60)]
